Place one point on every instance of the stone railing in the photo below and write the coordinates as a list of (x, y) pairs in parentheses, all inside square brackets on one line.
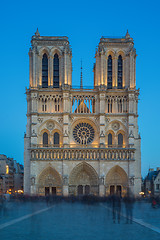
[(77, 146), (123, 154)]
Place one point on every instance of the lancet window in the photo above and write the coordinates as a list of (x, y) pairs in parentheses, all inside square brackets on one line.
[(56, 71), (56, 139), (44, 71), (50, 103), (109, 140), (109, 72), (116, 104), (44, 105), (120, 71), (110, 103), (45, 139), (120, 140)]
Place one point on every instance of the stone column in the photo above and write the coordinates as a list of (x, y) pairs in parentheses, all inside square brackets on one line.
[(102, 117), (30, 68), (114, 72), (66, 105)]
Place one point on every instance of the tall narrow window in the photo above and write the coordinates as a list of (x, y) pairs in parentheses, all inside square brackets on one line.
[(7, 169), (44, 71), (45, 139), (109, 73), (56, 139), (56, 71), (109, 140), (120, 71), (120, 140)]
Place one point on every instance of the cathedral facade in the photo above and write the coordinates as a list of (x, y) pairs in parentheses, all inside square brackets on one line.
[(82, 141)]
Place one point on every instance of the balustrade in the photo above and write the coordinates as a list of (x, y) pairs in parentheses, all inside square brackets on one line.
[(82, 154)]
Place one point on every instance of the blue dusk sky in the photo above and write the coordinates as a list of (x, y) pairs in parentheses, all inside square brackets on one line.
[(84, 22)]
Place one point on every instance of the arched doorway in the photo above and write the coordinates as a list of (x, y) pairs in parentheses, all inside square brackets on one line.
[(83, 180), (116, 181), (49, 182)]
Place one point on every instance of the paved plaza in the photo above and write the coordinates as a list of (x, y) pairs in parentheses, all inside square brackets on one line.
[(76, 221)]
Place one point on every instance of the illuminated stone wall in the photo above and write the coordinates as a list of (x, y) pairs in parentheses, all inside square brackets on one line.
[(83, 120)]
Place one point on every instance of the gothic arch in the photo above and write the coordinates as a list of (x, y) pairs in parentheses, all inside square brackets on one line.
[(56, 50), (113, 136), (49, 178), (44, 50), (56, 125), (120, 52), (55, 178), (116, 177), (111, 52), (83, 174)]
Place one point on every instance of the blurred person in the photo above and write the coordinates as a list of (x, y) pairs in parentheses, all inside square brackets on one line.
[(116, 207), (129, 204)]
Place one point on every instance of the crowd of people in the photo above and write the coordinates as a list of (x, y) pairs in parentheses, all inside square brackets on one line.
[(114, 202)]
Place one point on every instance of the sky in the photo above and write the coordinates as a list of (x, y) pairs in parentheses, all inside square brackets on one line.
[(84, 22)]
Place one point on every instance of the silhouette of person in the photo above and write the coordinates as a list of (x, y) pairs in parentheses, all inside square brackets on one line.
[(129, 203)]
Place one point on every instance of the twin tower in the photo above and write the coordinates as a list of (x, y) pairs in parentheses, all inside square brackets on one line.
[(82, 141)]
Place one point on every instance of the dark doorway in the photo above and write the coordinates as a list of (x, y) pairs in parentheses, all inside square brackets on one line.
[(46, 191), (53, 190), (87, 190), (112, 189), (118, 190), (80, 190)]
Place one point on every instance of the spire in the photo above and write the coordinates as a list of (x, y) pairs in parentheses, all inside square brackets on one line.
[(37, 33), (127, 35), (81, 81)]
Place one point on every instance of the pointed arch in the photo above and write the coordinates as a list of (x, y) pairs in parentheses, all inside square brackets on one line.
[(115, 178), (120, 140), (48, 177), (83, 175), (120, 71), (56, 139), (44, 71), (49, 182), (109, 72), (56, 71), (45, 139)]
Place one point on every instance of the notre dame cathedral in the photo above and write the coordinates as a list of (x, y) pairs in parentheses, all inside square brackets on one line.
[(82, 141)]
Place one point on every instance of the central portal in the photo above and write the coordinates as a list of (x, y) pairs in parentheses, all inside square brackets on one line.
[(83, 180), (83, 190)]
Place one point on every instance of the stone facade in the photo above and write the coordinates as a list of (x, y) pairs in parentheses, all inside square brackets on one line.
[(152, 182), (11, 175), (82, 141)]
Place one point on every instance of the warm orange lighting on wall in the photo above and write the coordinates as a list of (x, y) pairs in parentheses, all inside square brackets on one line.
[(7, 169)]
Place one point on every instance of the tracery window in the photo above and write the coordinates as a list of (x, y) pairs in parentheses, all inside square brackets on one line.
[(109, 105), (109, 140), (56, 138), (56, 101), (45, 139), (56, 71), (120, 71), (44, 71), (120, 140), (83, 133), (44, 105), (109, 73), (120, 105)]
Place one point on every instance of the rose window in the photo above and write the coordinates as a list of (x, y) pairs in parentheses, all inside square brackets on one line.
[(83, 133)]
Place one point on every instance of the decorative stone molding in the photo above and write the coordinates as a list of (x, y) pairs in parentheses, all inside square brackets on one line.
[(50, 125), (131, 134), (60, 120), (115, 126), (40, 120)]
